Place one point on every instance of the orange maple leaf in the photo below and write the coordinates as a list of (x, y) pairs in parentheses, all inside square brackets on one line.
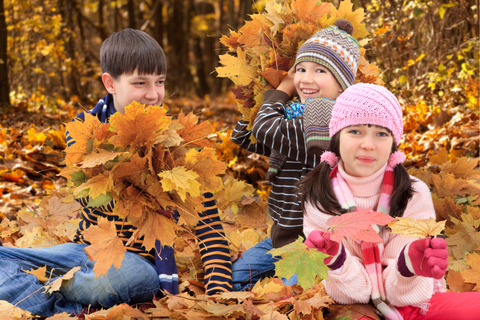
[(81, 132), (138, 126), (309, 11), (157, 226), (274, 77), (473, 275), (207, 166), (193, 134), (105, 248)]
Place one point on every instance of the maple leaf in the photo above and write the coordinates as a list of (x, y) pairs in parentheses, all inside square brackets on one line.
[(235, 311), (420, 228), (440, 158), (310, 11), (462, 168), (39, 273), (298, 259), (238, 69), (232, 41), (274, 77), (473, 275), (352, 311), (356, 17), (193, 134), (157, 226), (232, 192), (10, 312), (57, 283), (58, 209), (62, 316), (119, 312), (106, 248), (465, 236), (456, 283), (96, 186), (357, 225), (251, 33), (81, 132), (207, 166), (97, 158), (181, 180), (138, 126)]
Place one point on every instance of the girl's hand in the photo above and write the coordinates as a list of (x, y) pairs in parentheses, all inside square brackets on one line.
[(287, 85), (428, 257), (321, 241)]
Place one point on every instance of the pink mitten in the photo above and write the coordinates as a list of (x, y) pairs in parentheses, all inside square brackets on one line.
[(322, 242), (425, 257)]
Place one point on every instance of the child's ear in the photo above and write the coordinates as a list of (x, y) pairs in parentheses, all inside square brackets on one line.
[(108, 82)]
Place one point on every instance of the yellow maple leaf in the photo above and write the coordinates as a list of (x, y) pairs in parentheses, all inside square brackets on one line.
[(355, 17), (57, 283), (39, 273), (98, 185), (464, 237), (105, 248), (473, 275), (233, 191), (10, 312), (238, 69), (98, 158), (420, 228), (138, 126), (181, 180), (207, 166)]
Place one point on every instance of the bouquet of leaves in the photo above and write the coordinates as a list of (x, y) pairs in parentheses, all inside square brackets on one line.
[(265, 47), (149, 164)]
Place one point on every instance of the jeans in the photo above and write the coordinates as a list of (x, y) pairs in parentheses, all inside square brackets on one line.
[(254, 265), (136, 280)]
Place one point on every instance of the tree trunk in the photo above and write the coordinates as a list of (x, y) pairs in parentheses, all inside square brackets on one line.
[(131, 14), (4, 85)]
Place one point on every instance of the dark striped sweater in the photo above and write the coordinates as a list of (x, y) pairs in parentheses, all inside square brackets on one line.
[(209, 231), (274, 132)]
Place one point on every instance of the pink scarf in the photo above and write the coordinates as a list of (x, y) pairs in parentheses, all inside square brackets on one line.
[(372, 252)]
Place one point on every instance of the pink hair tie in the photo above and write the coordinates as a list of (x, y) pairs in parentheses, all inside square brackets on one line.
[(396, 158), (330, 158)]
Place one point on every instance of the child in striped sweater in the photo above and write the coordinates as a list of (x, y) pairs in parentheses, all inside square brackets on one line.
[(403, 276), (326, 64)]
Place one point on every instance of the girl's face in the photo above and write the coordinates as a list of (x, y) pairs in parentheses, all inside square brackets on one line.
[(314, 80), (364, 149)]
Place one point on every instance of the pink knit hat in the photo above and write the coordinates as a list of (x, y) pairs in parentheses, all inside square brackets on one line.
[(365, 103)]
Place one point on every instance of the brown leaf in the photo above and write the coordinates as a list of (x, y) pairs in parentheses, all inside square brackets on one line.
[(456, 283), (105, 248), (352, 311), (473, 275)]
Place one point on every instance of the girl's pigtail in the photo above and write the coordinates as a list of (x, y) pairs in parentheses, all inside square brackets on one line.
[(402, 191)]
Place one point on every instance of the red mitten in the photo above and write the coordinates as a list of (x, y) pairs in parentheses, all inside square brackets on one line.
[(425, 257), (321, 241)]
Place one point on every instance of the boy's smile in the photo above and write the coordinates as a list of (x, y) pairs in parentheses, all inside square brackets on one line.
[(148, 89), (314, 80), (364, 149)]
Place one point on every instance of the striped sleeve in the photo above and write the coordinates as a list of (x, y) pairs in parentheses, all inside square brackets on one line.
[(272, 130), (214, 250), (241, 137)]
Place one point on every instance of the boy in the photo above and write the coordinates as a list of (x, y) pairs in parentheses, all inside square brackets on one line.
[(326, 65), (134, 69)]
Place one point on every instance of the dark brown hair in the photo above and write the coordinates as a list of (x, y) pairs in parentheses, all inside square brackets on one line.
[(315, 186), (125, 51)]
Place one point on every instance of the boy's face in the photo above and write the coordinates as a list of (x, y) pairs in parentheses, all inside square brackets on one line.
[(146, 89), (314, 80)]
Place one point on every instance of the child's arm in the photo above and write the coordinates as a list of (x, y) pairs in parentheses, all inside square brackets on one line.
[(400, 290), (241, 137), (214, 250)]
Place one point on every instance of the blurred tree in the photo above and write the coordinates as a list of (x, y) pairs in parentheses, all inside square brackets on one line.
[(4, 86)]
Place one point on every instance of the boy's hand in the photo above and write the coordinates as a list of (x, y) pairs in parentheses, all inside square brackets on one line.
[(287, 85)]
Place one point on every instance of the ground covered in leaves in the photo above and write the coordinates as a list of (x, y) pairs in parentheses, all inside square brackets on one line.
[(441, 147)]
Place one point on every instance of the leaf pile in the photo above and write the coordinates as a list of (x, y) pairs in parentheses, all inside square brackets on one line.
[(265, 47)]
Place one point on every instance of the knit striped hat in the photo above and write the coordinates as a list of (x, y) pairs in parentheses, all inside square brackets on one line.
[(365, 103), (334, 48)]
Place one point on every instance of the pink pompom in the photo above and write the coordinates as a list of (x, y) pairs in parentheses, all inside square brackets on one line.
[(330, 158), (396, 158)]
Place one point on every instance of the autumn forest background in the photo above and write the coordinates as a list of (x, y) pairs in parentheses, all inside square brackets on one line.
[(425, 51)]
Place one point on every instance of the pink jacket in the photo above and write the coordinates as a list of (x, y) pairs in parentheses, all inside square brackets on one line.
[(351, 284)]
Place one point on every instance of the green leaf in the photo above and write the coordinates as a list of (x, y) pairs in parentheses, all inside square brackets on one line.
[(298, 259), (78, 178), (101, 200), (418, 12)]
